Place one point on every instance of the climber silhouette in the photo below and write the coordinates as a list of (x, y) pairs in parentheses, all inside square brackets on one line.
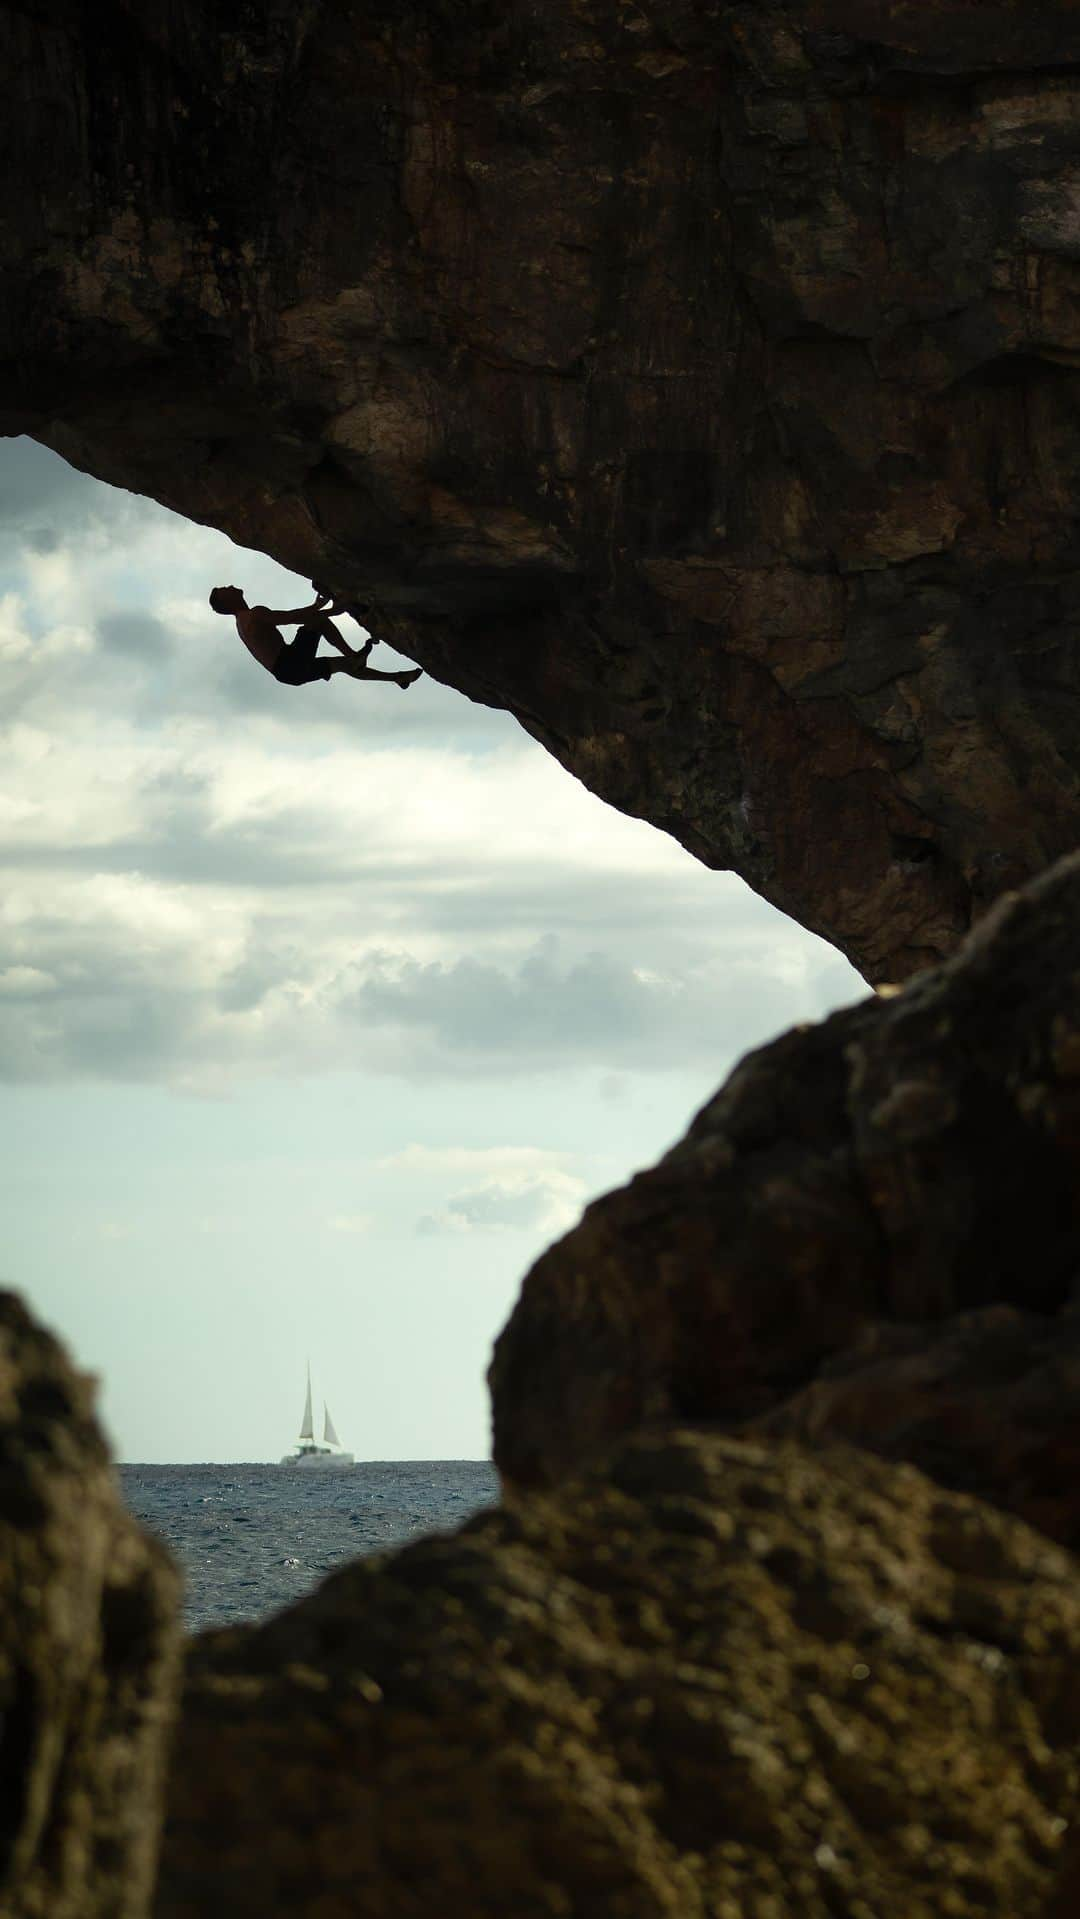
[(294, 663)]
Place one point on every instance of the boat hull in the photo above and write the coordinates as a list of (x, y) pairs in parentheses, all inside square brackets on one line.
[(319, 1462)]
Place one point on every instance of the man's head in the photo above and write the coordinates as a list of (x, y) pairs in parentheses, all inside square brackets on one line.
[(226, 599)]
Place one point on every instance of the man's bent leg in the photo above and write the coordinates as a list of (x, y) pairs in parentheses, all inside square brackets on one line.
[(330, 632), (306, 644)]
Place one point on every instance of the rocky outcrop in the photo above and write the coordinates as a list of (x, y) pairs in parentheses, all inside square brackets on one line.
[(988, 1401), (717, 1678), (700, 383), (703, 385), (88, 1652), (913, 1158)]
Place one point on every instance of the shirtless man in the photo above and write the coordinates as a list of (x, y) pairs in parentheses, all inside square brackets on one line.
[(295, 664)]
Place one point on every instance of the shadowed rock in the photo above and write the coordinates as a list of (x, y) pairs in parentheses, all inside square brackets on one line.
[(698, 382), (718, 1678), (910, 1159), (703, 385), (989, 1402), (88, 1645)]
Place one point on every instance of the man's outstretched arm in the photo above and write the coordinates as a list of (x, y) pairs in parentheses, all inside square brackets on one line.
[(299, 613)]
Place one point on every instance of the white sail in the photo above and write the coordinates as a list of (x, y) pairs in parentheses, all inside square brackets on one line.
[(306, 1453), (307, 1429)]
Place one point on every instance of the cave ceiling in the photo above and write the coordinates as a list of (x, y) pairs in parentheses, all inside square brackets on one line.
[(697, 382)]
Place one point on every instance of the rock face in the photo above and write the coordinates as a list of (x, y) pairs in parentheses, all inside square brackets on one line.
[(718, 1679), (723, 1675), (703, 385), (699, 383), (988, 1401), (88, 1652), (914, 1158)]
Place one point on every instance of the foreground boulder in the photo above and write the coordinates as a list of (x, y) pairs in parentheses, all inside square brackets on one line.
[(718, 1678), (88, 1652), (700, 382), (914, 1157)]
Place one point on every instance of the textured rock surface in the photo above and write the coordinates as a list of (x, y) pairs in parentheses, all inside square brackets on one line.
[(703, 385), (913, 1157), (988, 1401), (700, 382), (720, 1679), (88, 1644)]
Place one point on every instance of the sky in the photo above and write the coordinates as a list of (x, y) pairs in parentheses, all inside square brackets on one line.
[(323, 1010)]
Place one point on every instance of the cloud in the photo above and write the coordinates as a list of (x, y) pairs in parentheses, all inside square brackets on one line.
[(613, 1089), (545, 1010), (548, 1208), (205, 876), (25, 982), (133, 635), (195, 976), (14, 640), (511, 1188), (45, 503), (43, 540)]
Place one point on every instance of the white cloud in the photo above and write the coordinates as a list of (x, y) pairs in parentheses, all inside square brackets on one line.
[(20, 982), (511, 1188), (15, 641), (293, 968)]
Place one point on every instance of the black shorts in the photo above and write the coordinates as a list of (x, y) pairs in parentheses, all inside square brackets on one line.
[(296, 663)]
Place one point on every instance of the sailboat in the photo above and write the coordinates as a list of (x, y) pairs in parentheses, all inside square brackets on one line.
[(308, 1452)]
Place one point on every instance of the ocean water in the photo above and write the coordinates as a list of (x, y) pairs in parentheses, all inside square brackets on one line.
[(251, 1539)]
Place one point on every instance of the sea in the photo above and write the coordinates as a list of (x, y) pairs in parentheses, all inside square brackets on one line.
[(252, 1539)]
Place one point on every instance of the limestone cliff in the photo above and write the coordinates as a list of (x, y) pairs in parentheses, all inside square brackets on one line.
[(697, 381)]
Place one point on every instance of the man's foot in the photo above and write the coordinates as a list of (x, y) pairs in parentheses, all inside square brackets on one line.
[(406, 679), (364, 652)]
